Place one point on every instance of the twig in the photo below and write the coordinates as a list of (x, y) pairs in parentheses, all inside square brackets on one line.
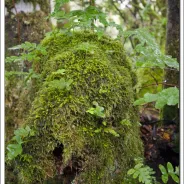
[(120, 13), (92, 3), (154, 78), (156, 68), (130, 38), (131, 12), (162, 83)]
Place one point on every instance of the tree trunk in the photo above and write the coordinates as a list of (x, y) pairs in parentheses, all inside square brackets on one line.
[(24, 21), (173, 49)]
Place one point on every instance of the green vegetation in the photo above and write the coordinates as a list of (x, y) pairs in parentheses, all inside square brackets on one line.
[(78, 107), (16, 149), (169, 172), (75, 71), (142, 174)]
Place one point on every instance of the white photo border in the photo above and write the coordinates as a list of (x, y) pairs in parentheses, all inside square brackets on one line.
[(2, 106)]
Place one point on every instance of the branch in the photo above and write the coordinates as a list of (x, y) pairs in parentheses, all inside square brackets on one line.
[(154, 78), (131, 12), (161, 83), (119, 11), (133, 46)]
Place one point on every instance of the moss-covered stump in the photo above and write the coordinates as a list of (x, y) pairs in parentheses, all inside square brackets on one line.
[(78, 70)]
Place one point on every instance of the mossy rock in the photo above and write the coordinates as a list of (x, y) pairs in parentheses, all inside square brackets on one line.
[(68, 137)]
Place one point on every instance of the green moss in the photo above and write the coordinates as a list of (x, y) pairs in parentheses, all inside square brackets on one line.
[(100, 72)]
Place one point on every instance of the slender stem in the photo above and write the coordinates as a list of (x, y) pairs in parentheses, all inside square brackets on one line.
[(92, 3), (162, 83), (131, 41), (154, 78), (119, 11)]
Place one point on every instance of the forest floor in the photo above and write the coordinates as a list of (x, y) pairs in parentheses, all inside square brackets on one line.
[(160, 142)]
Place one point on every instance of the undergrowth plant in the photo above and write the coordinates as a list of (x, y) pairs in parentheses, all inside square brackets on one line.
[(15, 147), (28, 52), (98, 111), (169, 172), (142, 173), (147, 54)]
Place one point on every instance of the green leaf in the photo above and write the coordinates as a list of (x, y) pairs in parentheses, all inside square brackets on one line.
[(91, 111), (140, 178), (15, 47), (59, 3), (27, 128), (125, 122), (135, 175), (165, 178), (170, 168), (171, 62), (98, 130), (60, 84), (140, 101), (60, 71), (138, 166), (8, 74), (169, 96), (174, 177), (164, 173), (21, 132), (111, 131), (162, 169), (160, 103), (104, 123), (150, 97), (18, 139), (131, 171), (147, 52), (177, 171), (144, 173), (26, 46), (99, 111), (14, 150), (13, 59)]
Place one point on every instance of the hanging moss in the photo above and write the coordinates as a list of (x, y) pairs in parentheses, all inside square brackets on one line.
[(99, 71)]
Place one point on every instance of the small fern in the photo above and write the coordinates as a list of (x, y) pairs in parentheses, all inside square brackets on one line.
[(147, 52), (143, 173), (29, 52), (61, 84)]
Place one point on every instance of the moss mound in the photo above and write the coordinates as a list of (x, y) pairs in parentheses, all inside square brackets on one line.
[(78, 70)]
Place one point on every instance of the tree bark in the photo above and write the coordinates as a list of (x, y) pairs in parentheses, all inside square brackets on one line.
[(24, 21), (173, 49)]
